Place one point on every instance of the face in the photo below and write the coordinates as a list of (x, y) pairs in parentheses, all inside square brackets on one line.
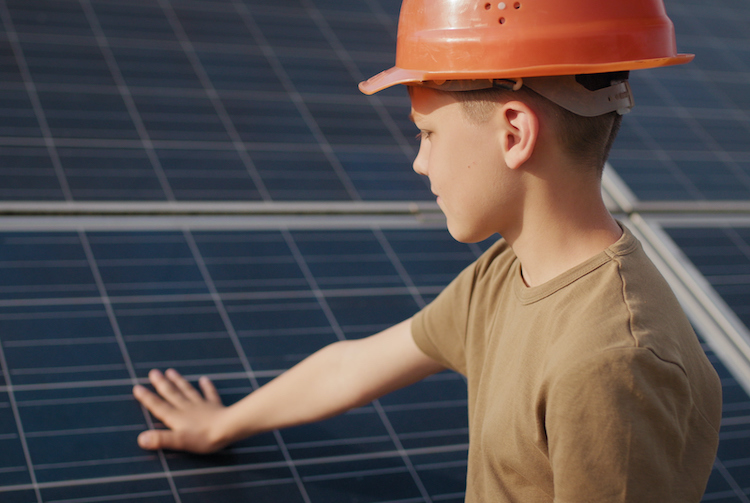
[(464, 162)]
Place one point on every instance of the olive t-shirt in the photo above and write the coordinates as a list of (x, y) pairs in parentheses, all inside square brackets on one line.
[(591, 387)]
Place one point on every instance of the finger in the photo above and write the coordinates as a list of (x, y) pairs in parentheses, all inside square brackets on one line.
[(152, 440), (166, 388), (185, 387), (209, 390), (152, 402)]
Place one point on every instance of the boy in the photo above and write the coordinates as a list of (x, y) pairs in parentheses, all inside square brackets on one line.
[(586, 381)]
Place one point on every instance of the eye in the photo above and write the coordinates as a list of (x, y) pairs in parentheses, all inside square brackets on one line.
[(423, 135)]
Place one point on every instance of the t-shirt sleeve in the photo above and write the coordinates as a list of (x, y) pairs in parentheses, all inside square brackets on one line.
[(439, 329), (617, 427)]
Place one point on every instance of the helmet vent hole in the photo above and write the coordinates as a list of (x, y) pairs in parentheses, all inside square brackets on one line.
[(517, 5), (487, 6), (501, 6), (501, 20)]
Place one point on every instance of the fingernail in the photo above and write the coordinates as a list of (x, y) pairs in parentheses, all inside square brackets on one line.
[(145, 440)]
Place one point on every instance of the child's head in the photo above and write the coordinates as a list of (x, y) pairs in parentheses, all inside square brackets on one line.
[(551, 74)]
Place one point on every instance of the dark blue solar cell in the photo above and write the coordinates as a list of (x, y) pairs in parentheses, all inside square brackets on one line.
[(71, 456), (139, 322), (45, 17), (304, 175), (268, 120), (296, 315), (181, 118), (290, 28), (315, 75), (371, 313), (377, 485), (110, 174), (43, 418), (213, 24), (246, 70), (359, 432), (95, 115), (13, 467), (134, 21), (264, 485), (368, 481), (339, 128), (155, 67), (145, 490), (56, 63), (19, 118), (363, 34), (280, 351)]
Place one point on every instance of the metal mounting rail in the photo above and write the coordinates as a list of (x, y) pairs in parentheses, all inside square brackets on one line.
[(36, 208), (213, 215)]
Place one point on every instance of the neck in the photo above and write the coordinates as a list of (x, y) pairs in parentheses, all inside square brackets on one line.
[(565, 225)]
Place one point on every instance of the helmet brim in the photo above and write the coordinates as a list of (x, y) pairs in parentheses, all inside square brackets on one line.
[(396, 75)]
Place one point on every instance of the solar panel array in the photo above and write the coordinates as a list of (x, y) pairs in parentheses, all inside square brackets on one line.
[(85, 315), (128, 100), (187, 101)]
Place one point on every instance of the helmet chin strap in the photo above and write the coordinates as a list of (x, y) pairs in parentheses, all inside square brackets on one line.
[(563, 90), (571, 95)]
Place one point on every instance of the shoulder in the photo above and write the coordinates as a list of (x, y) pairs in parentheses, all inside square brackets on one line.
[(625, 315), (626, 296)]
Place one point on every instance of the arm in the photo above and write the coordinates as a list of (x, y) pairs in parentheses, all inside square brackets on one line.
[(337, 378)]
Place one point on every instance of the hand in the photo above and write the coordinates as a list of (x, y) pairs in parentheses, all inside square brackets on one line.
[(193, 419)]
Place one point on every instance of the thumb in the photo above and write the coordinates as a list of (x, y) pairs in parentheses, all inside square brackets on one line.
[(152, 440)]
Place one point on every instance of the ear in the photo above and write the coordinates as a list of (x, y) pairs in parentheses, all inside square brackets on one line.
[(519, 127)]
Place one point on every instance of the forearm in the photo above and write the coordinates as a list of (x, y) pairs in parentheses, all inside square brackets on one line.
[(310, 391), (339, 377)]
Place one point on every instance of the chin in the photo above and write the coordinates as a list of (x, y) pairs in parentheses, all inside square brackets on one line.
[(466, 235)]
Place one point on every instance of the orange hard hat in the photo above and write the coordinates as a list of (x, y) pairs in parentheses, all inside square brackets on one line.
[(444, 40)]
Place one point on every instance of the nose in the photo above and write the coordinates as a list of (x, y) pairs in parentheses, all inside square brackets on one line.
[(420, 162)]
